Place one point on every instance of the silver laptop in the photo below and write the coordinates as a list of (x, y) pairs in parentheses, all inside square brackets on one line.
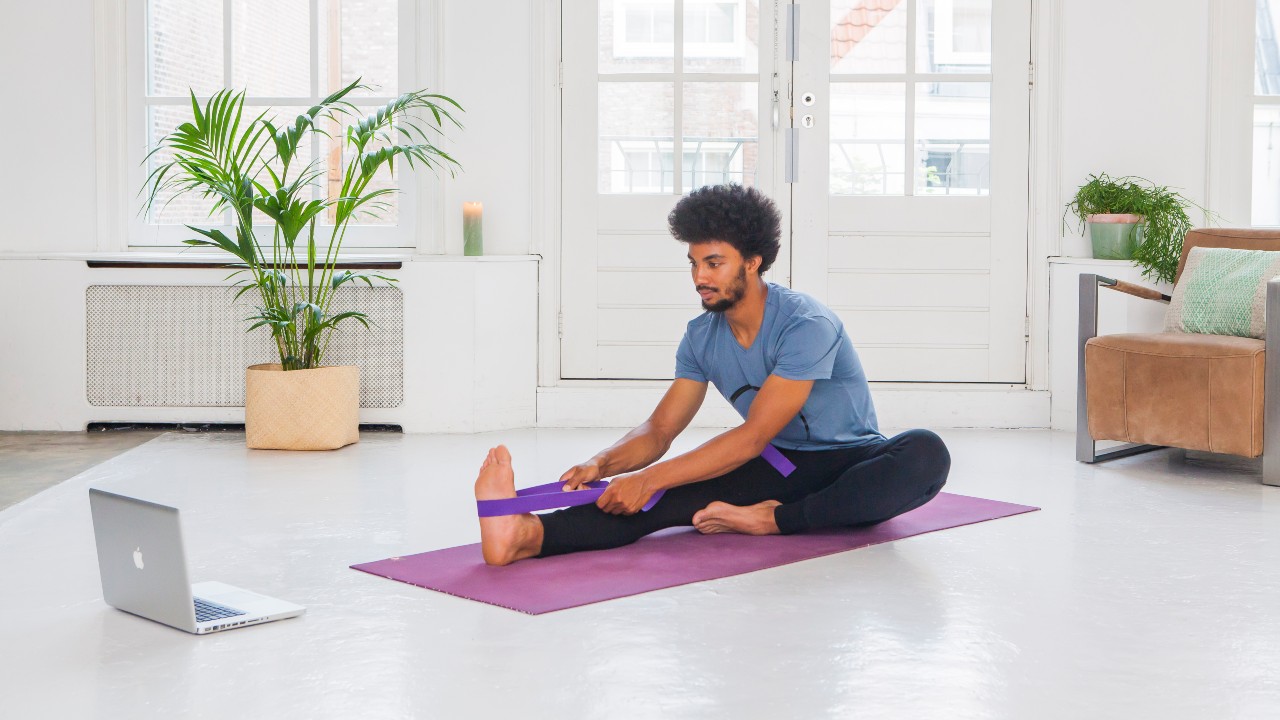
[(144, 571)]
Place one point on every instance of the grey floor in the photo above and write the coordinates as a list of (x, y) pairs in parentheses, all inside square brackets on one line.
[(1145, 588), (33, 461)]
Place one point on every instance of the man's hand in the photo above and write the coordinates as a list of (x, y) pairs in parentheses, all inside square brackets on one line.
[(645, 444), (580, 475), (625, 495)]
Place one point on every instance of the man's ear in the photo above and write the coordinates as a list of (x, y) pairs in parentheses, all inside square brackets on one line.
[(753, 264)]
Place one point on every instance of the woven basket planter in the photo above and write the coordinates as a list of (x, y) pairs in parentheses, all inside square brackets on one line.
[(317, 409)]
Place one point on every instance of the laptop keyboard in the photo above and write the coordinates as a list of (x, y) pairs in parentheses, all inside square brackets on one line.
[(206, 610)]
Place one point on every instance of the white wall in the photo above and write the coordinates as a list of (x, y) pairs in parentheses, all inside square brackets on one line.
[(470, 362), (1131, 99), (48, 91), (48, 185), (469, 352), (1134, 94), (487, 68)]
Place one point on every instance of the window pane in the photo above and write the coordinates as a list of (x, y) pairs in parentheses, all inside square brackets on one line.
[(637, 134), (271, 47), (1266, 79), (868, 36), (1266, 165), (720, 135), (953, 138), (184, 48), (953, 36), (721, 36), (868, 134), (359, 39), (637, 36), (189, 208)]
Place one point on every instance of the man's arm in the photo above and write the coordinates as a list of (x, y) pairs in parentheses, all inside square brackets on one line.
[(647, 442), (774, 406)]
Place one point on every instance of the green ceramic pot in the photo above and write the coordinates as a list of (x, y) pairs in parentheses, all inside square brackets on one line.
[(1113, 238)]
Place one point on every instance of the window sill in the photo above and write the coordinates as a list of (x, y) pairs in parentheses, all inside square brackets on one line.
[(217, 260), (1071, 260)]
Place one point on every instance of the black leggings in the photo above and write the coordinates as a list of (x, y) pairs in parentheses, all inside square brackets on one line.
[(829, 488)]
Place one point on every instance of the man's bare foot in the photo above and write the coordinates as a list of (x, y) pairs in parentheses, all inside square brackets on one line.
[(719, 517), (506, 538)]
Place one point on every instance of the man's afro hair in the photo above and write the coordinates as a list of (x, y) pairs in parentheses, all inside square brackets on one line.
[(741, 216)]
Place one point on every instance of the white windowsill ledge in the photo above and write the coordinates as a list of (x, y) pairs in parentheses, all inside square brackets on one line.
[(192, 257), (1069, 260)]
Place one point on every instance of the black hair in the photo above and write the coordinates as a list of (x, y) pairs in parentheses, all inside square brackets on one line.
[(741, 216)]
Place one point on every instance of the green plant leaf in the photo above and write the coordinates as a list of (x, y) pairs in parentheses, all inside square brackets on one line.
[(218, 239), (359, 317), (243, 164), (1164, 213), (290, 212)]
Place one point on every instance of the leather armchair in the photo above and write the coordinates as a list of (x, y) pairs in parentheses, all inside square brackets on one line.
[(1215, 393)]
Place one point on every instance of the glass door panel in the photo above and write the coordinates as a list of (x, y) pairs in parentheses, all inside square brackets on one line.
[(902, 172), (672, 92)]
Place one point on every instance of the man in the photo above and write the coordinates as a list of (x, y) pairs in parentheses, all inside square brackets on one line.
[(785, 363)]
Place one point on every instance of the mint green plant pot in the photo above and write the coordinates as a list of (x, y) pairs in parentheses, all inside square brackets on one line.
[(1115, 241)]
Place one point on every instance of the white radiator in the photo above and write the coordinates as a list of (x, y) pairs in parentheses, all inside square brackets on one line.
[(186, 346)]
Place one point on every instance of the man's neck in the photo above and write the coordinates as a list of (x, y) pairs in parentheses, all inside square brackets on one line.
[(746, 316)]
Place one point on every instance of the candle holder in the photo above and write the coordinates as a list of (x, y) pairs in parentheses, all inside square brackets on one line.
[(472, 228)]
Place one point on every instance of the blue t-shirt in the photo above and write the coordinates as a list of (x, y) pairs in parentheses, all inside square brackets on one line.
[(799, 339)]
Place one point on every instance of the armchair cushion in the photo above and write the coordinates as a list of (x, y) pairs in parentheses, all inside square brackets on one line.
[(1223, 291), (1193, 391)]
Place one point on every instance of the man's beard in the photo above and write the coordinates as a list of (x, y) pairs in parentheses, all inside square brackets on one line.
[(736, 292)]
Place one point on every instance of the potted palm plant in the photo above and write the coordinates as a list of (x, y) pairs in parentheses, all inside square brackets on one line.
[(1132, 218), (246, 164)]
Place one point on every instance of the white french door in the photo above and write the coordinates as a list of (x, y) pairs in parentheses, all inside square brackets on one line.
[(660, 97), (910, 205), (903, 124)]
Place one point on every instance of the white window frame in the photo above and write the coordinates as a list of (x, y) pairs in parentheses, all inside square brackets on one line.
[(621, 154), (622, 151), (120, 45), (945, 35), (1232, 30), (732, 48), (626, 48)]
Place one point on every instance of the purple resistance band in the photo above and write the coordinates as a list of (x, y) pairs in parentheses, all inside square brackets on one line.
[(552, 495), (778, 461)]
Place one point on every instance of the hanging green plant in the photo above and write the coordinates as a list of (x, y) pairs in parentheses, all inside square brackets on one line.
[(1164, 213)]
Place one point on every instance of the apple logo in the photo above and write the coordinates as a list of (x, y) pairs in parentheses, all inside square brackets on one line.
[(137, 558)]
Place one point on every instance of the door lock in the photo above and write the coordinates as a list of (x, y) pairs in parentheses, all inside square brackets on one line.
[(807, 121), (808, 99)]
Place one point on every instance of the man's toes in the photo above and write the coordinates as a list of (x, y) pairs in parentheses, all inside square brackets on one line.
[(705, 514), (502, 455)]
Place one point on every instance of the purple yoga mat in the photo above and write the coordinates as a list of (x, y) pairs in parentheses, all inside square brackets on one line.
[(662, 560)]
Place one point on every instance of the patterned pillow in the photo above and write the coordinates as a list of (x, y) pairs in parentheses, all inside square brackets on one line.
[(1223, 291)]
